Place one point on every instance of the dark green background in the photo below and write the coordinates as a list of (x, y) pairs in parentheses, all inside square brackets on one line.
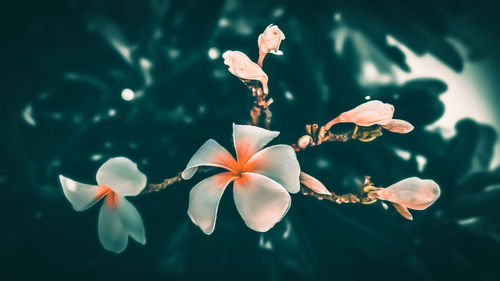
[(59, 61)]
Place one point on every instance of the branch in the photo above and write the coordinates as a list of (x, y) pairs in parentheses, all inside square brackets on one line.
[(160, 186)]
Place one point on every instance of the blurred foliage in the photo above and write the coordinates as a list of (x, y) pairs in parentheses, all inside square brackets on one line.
[(68, 61)]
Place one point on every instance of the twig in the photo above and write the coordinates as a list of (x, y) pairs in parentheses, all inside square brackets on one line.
[(160, 186)]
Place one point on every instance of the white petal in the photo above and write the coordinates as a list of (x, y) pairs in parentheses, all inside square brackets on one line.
[(112, 233), (212, 154), (204, 200), (122, 176), (80, 195), (260, 201), (250, 139), (314, 184), (279, 163), (117, 222), (131, 220)]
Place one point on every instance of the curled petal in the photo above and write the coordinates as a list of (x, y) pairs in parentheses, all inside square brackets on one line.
[(122, 176), (260, 201), (398, 126), (270, 39), (367, 114), (81, 196), (211, 153), (241, 66), (279, 163), (119, 219), (313, 184), (413, 193), (250, 139), (204, 200)]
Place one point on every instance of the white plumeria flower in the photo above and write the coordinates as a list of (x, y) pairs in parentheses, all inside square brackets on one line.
[(118, 218), (262, 179)]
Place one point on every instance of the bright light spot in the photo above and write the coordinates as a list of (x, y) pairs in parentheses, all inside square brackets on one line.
[(267, 245), (28, 115), (202, 109), (97, 118), (213, 53), (173, 53), (145, 63), (404, 154), (467, 221), (492, 188), (223, 22), (337, 16), (370, 72), (278, 12), (96, 157), (288, 229), (368, 98), (111, 112), (289, 96), (421, 162), (127, 94), (323, 163)]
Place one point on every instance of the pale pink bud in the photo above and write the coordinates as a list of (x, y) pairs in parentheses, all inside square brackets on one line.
[(413, 193), (270, 40), (367, 114), (241, 66), (313, 184), (398, 126)]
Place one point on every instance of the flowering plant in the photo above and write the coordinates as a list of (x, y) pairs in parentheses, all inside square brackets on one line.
[(263, 178)]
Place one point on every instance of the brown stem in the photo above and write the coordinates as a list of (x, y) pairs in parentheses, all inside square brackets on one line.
[(160, 186)]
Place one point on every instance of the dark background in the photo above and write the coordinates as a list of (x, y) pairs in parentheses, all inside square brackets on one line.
[(67, 63)]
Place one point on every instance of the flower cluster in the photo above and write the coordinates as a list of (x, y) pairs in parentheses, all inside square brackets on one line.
[(262, 177)]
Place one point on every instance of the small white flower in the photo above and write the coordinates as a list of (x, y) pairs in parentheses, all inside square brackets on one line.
[(118, 218)]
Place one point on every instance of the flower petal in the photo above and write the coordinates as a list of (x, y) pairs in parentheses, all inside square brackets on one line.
[(413, 193), (403, 211), (112, 233), (260, 201), (212, 154), (250, 139), (279, 163), (81, 196), (118, 219), (122, 176), (313, 184), (398, 126), (131, 220), (204, 200)]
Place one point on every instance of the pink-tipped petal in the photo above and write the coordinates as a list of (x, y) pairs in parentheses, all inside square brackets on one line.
[(204, 200), (413, 193), (279, 163), (81, 196), (313, 184), (250, 139), (367, 114), (260, 201), (398, 126), (403, 211), (122, 176), (116, 223), (211, 153)]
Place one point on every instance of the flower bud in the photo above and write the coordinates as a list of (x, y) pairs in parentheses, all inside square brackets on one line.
[(241, 66), (270, 40), (304, 141), (367, 114), (411, 193)]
